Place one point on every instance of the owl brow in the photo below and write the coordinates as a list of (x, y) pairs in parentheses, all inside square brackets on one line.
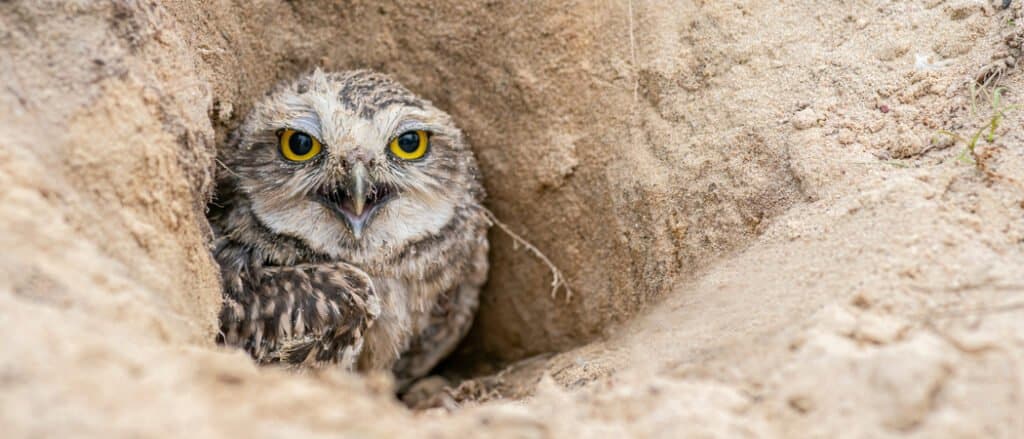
[(411, 125), (308, 124)]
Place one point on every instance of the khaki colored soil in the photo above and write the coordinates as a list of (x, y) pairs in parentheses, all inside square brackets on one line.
[(764, 232)]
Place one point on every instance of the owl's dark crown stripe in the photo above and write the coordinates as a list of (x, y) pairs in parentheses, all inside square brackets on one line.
[(365, 93)]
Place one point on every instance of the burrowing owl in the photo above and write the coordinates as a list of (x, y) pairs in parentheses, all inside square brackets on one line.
[(349, 227)]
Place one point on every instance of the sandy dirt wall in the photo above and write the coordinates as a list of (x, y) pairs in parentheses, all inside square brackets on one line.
[(549, 100), (758, 177)]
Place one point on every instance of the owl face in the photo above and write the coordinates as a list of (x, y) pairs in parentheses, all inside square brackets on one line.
[(351, 163)]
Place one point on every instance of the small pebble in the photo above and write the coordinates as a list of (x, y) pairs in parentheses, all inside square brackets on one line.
[(883, 108), (805, 119)]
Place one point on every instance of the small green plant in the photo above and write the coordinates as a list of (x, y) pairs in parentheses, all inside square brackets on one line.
[(987, 132)]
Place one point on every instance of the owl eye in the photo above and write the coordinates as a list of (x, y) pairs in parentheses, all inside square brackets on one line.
[(298, 146), (410, 145)]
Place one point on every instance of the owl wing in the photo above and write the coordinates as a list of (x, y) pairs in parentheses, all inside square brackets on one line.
[(301, 314), (448, 323)]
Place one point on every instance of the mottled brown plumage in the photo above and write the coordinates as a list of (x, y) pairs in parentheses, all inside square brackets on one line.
[(311, 276)]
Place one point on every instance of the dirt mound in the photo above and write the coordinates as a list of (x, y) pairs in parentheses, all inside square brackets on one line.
[(764, 232)]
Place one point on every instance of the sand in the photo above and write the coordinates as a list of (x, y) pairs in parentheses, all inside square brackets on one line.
[(765, 232)]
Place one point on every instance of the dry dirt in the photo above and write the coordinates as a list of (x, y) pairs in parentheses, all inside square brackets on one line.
[(765, 235)]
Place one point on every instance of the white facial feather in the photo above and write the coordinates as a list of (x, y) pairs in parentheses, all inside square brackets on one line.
[(402, 221)]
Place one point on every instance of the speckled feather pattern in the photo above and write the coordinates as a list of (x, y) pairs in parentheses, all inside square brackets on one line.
[(299, 286)]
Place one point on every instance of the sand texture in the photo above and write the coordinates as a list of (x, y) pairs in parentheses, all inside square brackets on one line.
[(765, 233)]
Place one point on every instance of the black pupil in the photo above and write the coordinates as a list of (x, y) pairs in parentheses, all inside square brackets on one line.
[(409, 142), (301, 144)]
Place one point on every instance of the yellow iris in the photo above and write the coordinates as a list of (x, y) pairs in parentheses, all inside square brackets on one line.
[(410, 145), (298, 146)]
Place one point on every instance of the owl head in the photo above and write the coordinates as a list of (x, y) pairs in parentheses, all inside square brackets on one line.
[(351, 163)]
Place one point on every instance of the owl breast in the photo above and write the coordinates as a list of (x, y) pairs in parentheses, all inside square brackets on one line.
[(421, 277)]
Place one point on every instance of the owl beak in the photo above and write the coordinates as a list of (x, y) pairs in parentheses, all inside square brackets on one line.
[(357, 200), (357, 194), (357, 188)]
